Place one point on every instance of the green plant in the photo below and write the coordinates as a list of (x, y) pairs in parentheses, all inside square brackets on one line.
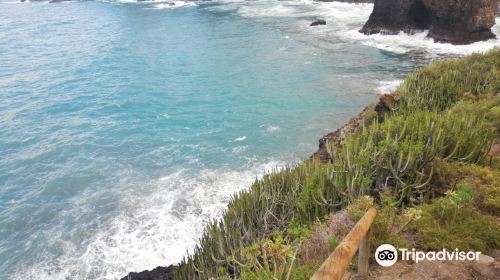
[(438, 86), (268, 259), (452, 222), (333, 241)]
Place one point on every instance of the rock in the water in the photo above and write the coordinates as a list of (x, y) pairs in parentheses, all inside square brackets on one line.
[(451, 21), (318, 22), (393, 16), (461, 21)]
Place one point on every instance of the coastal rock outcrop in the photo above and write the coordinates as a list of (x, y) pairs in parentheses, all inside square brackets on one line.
[(392, 16), (337, 138), (461, 21), (451, 21)]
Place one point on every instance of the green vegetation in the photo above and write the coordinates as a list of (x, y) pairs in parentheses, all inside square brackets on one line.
[(452, 222), (426, 167), (440, 85)]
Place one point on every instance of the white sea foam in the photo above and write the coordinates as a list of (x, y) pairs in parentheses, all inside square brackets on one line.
[(152, 230), (242, 138), (388, 86), (174, 5), (239, 149), (158, 4), (272, 128)]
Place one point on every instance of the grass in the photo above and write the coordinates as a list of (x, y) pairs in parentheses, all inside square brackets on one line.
[(425, 167)]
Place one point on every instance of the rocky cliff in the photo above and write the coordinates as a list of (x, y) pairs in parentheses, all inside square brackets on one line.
[(393, 16), (451, 21), (461, 21)]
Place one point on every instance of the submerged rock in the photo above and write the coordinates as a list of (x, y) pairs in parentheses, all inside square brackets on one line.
[(318, 22), (451, 21)]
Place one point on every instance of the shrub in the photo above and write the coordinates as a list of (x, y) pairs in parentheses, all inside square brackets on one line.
[(484, 180), (398, 153), (452, 222), (325, 238)]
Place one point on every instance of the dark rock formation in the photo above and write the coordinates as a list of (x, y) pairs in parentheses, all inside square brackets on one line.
[(337, 138), (159, 273), (318, 22), (452, 21), (461, 21), (386, 104), (348, 1), (393, 16)]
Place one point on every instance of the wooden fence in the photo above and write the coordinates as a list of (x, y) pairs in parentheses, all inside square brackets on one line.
[(359, 237)]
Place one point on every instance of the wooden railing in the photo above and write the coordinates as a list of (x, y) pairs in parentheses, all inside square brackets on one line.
[(335, 266)]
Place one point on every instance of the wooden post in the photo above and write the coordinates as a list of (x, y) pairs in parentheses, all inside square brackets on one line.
[(364, 254), (335, 266)]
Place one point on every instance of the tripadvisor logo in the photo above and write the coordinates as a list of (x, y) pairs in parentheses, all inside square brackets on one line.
[(387, 255)]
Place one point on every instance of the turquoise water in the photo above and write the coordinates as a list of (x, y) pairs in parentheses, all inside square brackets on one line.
[(125, 127)]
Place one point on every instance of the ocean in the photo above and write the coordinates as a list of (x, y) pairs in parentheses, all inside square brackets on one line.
[(125, 127)]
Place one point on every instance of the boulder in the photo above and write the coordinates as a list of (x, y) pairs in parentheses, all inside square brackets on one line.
[(450, 21), (393, 16), (485, 259), (386, 105), (318, 22), (461, 21), (486, 272)]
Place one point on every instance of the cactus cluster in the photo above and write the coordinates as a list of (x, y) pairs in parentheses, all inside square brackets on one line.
[(440, 85), (398, 153), (267, 208)]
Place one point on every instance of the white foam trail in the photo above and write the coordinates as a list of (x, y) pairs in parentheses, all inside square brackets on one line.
[(388, 86), (242, 138), (174, 5), (152, 230), (272, 128)]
